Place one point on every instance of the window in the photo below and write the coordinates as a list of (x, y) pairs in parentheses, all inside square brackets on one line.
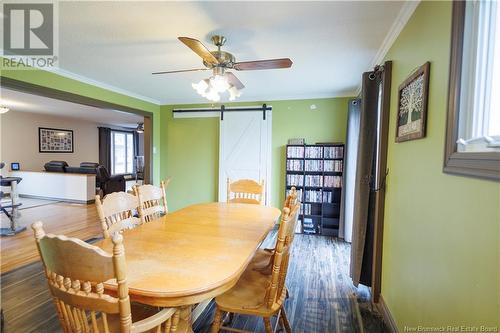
[(122, 152), (473, 127)]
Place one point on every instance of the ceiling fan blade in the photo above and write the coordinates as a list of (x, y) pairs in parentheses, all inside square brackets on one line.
[(199, 49), (263, 64), (181, 71), (232, 79)]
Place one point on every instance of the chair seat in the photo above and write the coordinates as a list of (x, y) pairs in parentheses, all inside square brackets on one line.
[(249, 294), (262, 257)]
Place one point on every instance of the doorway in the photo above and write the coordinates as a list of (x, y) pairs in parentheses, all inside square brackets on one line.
[(245, 149), (29, 88)]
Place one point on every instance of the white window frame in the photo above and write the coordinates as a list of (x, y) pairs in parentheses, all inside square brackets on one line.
[(480, 27), (113, 132), (473, 163)]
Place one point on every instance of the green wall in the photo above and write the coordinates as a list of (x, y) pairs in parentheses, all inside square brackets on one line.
[(441, 254), (52, 80), (191, 145)]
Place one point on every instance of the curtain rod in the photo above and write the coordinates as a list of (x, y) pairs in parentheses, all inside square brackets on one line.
[(223, 109)]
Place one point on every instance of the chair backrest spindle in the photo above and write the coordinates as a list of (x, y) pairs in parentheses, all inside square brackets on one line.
[(276, 290), (152, 200), (75, 272), (245, 191), (116, 212)]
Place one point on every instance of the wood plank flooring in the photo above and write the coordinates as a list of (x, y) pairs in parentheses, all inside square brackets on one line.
[(75, 220), (322, 298)]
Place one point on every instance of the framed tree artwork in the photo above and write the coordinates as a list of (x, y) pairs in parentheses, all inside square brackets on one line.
[(54, 140), (412, 105)]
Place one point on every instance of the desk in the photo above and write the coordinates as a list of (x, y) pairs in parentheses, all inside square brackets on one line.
[(193, 254)]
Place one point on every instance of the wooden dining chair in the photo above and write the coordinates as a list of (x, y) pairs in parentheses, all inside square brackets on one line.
[(152, 200), (116, 212), (263, 258), (291, 198), (245, 191), (76, 272), (260, 294)]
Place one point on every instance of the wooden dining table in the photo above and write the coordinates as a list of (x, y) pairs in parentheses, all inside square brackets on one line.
[(193, 254)]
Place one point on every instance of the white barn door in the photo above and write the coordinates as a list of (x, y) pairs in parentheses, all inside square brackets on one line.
[(245, 149)]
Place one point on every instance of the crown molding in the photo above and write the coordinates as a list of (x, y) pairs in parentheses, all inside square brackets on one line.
[(84, 79), (399, 23)]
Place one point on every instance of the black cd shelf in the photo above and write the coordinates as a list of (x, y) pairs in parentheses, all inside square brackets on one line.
[(316, 171)]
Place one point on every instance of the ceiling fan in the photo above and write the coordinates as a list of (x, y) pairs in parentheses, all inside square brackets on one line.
[(220, 61)]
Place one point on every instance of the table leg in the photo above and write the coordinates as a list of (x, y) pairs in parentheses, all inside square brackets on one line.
[(181, 322)]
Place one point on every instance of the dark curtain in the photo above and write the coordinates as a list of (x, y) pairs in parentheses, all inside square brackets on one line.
[(136, 144), (105, 147), (370, 174), (350, 166), (136, 150)]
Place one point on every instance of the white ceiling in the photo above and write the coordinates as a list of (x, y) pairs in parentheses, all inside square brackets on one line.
[(120, 43), (22, 102)]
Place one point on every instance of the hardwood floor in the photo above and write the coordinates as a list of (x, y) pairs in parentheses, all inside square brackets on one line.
[(322, 298), (76, 220)]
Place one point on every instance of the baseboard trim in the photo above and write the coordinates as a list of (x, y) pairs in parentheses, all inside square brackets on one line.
[(386, 314)]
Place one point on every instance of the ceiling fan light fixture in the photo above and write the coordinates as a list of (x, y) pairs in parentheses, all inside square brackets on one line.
[(3, 109), (219, 62), (233, 93), (201, 87), (219, 83), (212, 95)]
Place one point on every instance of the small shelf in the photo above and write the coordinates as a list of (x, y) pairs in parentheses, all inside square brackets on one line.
[(322, 216)]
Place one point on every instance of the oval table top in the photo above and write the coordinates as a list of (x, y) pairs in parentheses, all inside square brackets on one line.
[(193, 254)]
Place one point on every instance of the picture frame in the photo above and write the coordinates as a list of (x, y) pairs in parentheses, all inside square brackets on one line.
[(55, 140), (413, 93), (15, 166)]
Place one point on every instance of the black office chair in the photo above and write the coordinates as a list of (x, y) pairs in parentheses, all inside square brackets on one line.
[(108, 183)]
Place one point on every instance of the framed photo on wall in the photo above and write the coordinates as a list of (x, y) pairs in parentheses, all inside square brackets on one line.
[(55, 140), (412, 105)]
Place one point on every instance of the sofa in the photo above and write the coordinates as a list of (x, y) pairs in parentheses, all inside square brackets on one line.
[(56, 166), (85, 167), (104, 181), (62, 166)]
